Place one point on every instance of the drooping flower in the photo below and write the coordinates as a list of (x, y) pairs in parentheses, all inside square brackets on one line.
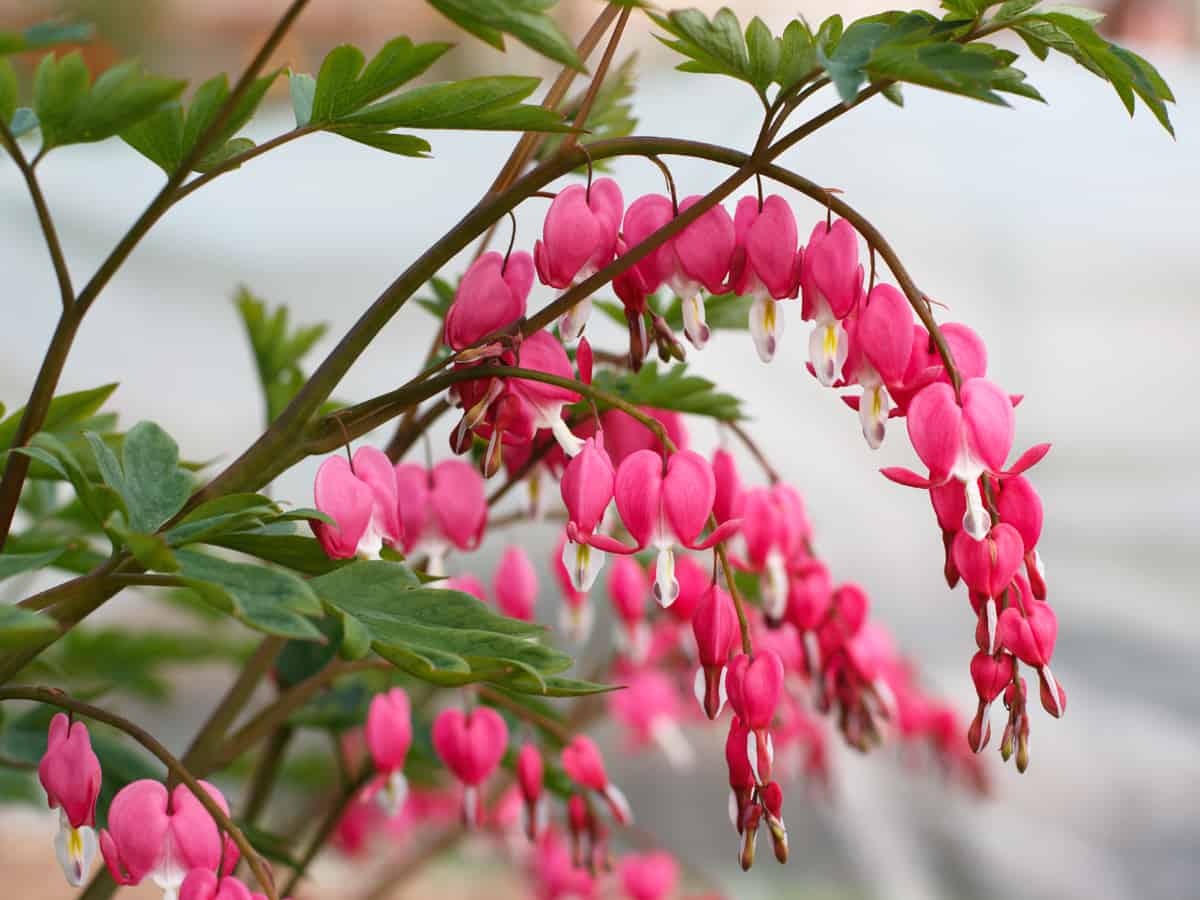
[(1028, 631), (649, 876), (70, 774), (491, 296), (584, 765), (441, 508), (963, 440), (764, 265), (988, 567), (579, 238), (471, 746), (587, 489), (830, 284), (755, 685), (662, 509), (715, 627), (774, 528), (575, 616), (361, 498), (628, 588), (696, 258), (531, 780), (880, 345), (515, 584), (389, 735), (161, 836), (204, 884), (649, 708)]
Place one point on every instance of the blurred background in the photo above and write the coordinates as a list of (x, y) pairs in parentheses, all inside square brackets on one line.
[(1064, 234)]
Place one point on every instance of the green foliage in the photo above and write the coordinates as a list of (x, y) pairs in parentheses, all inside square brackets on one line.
[(268, 600), (66, 415), (15, 563), (148, 478), (611, 115), (669, 389), (19, 627), (168, 136), (438, 304), (278, 348), (525, 20), (42, 35), (8, 91), (350, 100), (73, 110), (295, 551), (728, 312), (438, 635)]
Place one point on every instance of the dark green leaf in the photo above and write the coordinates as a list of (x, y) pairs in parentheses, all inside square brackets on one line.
[(159, 137), (845, 65), (672, 389), (268, 600), (558, 686), (716, 46), (273, 847), (764, 51), (236, 512), (339, 709), (151, 550), (400, 144), (340, 90), (295, 551), (66, 410), (475, 103), (19, 627), (299, 660), (525, 20)]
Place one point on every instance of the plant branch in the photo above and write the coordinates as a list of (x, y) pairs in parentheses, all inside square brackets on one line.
[(262, 872), (589, 99), (49, 232), (235, 162)]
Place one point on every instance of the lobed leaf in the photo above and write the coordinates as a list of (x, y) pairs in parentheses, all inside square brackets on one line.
[(525, 20)]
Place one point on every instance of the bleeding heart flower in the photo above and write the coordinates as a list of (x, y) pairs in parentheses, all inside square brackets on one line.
[(575, 617), (530, 779), (584, 765), (515, 584), (991, 675), (1018, 504), (880, 343), (1029, 634), (70, 773), (203, 884), (439, 509), (491, 296), (728, 502), (830, 283), (989, 566), (764, 265), (579, 238), (649, 876), (755, 686), (774, 528), (715, 626), (361, 498), (389, 735), (471, 746), (587, 489), (628, 588)]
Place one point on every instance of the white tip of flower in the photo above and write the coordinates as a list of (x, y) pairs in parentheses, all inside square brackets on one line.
[(812, 649), (470, 807), (574, 320), (576, 621), (887, 698), (666, 588), (992, 617), (571, 445), (976, 521), (674, 745), (698, 686), (1039, 565), (583, 563), (733, 810), (1048, 677), (694, 326), (393, 794), (752, 755), (827, 348), (766, 326), (537, 493), (618, 804), (775, 589), (873, 409), (76, 850), (722, 696)]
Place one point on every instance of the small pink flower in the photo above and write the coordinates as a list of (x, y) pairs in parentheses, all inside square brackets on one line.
[(584, 765), (830, 282), (362, 499), (698, 257), (715, 627), (624, 435), (628, 588), (389, 735), (764, 265), (163, 837), (1029, 634), (694, 579), (755, 686), (649, 876), (774, 527), (490, 297), (471, 746), (1019, 505), (991, 675), (579, 239), (587, 489), (880, 344), (530, 780), (556, 874), (542, 353), (728, 502), (204, 884), (988, 567), (664, 509), (575, 617), (70, 774), (515, 584), (963, 441), (741, 776), (649, 709), (810, 594), (441, 508), (772, 806)]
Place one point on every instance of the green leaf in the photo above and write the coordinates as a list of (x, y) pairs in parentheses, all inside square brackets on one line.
[(269, 600), (557, 686), (294, 551), (148, 479), (8, 91), (303, 89), (66, 411), (715, 47), (73, 111), (764, 51), (19, 627), (672, 389), (845, 65), (439, 635), (98, 500), (44, 34), (159, 137), (443, 295), (490, 104), (151, 550), (24, 120), (400, 144), (341, 90), (967, 70), (797, 55), (278, 348), (611, 115), (236, 512), (299, 660), (525, 20), (15, 563)]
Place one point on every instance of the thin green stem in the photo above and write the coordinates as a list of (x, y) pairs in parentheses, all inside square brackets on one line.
[(262, 872), (49, 232), (235, 162)]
